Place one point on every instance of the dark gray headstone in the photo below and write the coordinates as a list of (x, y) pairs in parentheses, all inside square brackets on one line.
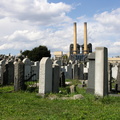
[(80, 71), (56, 77), (62, 80), (10, 72), (69, 71), (91, 73), (75, 71), (109, 77)]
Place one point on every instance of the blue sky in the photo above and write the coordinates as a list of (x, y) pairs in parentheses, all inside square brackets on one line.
[(25, 24)]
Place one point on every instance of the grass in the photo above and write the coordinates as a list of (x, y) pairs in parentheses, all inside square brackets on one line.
[(26, 105)]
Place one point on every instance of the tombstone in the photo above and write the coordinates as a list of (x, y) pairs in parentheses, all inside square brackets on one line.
[(109, 77), (10, 72), (101, 71), (56, 77), (7, 74), (80, 71), (35, 71), (91, 73), (85, 72), (62, 80), (63, 69), (118, 78), (69, 71), (114, 70), (45, 75), (75, 71), (2, 72), (19, 76), (27, 68), (72, 89), (58, 62)]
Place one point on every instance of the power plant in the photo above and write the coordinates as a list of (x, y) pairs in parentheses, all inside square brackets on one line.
[(80, 52)]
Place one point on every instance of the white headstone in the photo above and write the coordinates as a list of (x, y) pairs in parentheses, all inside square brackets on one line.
[(45, 76), (101, 71), (27, 68)]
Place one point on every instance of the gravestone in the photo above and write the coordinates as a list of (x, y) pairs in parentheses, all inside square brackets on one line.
[(35, 70), (27, 68), (62, 80), (45, 76), (91, 73), (75, 71), (2, 72), (10, 72), (69, 71), (85, 72), (109, 77), (114, 70), (58, 62), (56, 77), (101, 71), (19, 76), (80, 71), (118, 78)]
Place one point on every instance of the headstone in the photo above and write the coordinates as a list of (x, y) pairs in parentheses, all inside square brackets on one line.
[(27, 68), (56, 77), (80, 71), (75, 71), (114, 70), (10, 72), (2, 72), (35, 70), (19, 76), (72, 88), (101, 71), (45, 76), (69, 71), (109, 77), (62, 80), (118, 78), (85, 73), (58, 62), (91, 73)]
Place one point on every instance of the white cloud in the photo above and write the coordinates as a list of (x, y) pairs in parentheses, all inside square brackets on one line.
[(25, 24), (110, 20), (35, 11)]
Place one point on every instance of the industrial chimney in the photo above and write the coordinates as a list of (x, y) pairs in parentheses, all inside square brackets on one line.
[(75, 39), (85, 38)]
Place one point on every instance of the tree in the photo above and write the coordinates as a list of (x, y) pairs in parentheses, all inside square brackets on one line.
[(37, 53)]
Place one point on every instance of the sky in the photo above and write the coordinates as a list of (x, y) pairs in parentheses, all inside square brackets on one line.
[(25, 24)]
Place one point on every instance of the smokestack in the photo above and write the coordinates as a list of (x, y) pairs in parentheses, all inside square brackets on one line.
[(85, 38), (75, 39)]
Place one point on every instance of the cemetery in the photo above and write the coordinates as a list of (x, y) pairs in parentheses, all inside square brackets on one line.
[(84, 81)]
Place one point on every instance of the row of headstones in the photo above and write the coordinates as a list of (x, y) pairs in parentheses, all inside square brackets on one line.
[(97, 75), (75, 71), (7, 70), (53, 75), (100, 73)]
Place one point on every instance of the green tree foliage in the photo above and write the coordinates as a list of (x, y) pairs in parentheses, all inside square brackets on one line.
[(37, 53)]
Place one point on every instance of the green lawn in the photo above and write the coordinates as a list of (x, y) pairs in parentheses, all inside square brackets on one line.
[(27, 106)]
